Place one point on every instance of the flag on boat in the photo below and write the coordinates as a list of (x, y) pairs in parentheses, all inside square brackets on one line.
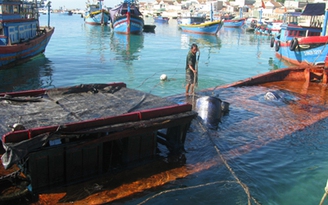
[(263, 4)]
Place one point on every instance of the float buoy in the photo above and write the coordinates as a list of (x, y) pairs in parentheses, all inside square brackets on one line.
[(163, 77)]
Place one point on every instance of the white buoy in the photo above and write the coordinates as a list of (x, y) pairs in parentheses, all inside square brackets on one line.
[(163, 77)]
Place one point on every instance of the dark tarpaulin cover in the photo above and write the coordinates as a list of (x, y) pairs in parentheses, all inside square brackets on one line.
[(316, 9), (15, 152)]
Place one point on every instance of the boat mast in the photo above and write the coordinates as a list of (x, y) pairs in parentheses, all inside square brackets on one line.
[(102, 12), (48, 5), (128, 16), (324, 27)]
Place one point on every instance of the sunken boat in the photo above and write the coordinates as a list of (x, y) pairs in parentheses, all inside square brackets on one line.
[(63, 136)]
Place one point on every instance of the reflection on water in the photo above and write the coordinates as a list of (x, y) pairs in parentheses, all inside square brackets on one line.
[(97, 40), (207, 44), (34, 74), (232, 32), (126, 47)]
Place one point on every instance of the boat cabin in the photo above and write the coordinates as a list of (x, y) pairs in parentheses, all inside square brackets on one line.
[(292, 28), (18, 21)]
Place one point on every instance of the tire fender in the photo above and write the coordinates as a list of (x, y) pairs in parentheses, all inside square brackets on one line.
[(272, 42), (293, 44), (277, 47)]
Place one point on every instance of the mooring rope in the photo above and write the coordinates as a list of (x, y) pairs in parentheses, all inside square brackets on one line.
[(325, 194), (244, 186), (184, 188), (238, 181), (320, 52), (146, 79)]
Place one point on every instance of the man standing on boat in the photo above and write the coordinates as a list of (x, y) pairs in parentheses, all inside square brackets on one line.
[(191, 71)]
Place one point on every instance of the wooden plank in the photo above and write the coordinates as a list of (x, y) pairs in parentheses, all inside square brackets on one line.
[(73, 164), (38, 169), (92, 160), (131, 149), (148, 145), (56, 165)]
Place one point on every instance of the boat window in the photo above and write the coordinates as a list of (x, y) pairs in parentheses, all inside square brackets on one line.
[(5, 9), (0, 9), (1, 29), (302, 33), (10, 9), (15, 9), (293, 33)]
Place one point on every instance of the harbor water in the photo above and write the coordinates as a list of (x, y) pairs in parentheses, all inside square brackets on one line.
[(261, 153)]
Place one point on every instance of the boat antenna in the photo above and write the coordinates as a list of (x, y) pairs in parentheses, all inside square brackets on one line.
[(211, 12), (49, 5)]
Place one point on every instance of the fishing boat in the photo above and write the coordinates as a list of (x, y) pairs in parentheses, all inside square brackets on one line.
[(95, 14), (126, 18), (149, 28), (161, 19), (61, 136), (274, 27), (234, 23), (250, 24), (209, 28), (21, 36), (303, 44), (66, 12)]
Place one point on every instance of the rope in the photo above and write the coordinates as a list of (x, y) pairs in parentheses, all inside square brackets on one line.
[(325, 194), (244, 186), (184, 188), (320, 52), (143, 82), (238, 181)]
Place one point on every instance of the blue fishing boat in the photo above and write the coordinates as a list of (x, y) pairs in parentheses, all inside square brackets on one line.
[(234, 23), (21, 36), (96, 15), (161, 19), (210, 28), (126, 18), (303, 44)]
